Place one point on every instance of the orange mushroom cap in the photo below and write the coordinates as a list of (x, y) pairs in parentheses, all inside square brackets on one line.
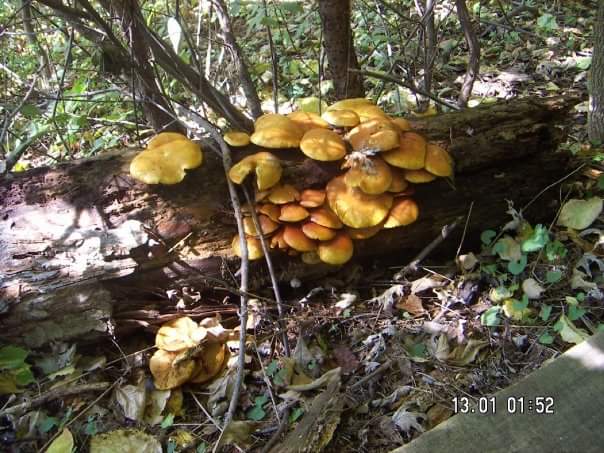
[(318, 232), (266, 166), (325, 217), (308, 120), (373, 176), (237, 138), (341, 118), (336, 251), (438, 161), (254, 247), (323, 145), (411, 153), (284, 193), (297, 240), (404, 212), (378, 133), (419, 176), (293, 212), (312, 198), (266, 225)]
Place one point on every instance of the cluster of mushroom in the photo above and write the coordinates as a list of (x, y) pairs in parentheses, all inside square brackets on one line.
[(382, 158), (188, 352), (165, 159)]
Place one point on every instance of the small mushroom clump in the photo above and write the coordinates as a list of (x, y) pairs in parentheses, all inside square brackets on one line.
[(165, 159), (188, 352), (381, 158)]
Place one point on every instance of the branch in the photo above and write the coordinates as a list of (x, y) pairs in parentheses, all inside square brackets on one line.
[(474, 50)]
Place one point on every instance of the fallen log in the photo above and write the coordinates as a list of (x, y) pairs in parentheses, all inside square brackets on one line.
[(83, 245)]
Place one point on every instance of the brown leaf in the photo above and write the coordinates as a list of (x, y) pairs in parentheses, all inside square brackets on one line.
[(345, 359), (411, 304)]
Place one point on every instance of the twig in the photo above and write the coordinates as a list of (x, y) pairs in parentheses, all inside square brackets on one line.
[(275, 437), (53, 395), (271, 271), (274, 63), (550, 186), (465, 229), (474, 53), (379, 75), (413, 265), (379, 370)]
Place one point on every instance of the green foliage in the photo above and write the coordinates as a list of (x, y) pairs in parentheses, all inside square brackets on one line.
[(490, 318), (15, 373), (257, 412)]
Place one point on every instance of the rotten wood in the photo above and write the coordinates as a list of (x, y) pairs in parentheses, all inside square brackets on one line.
[(84, 248)]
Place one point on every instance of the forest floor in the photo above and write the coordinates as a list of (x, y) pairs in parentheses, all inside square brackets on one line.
[(405, 345)]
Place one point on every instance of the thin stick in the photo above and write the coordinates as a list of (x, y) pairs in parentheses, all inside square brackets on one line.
[(550, 186), (379, 75), (53, 395), (465, 229), (413, 265), (271, 272)]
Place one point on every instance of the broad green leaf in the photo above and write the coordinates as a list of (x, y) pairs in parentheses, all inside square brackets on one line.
[(546, 311), (487, 236), (516, 267), (500, 293), (547, 22), (8, 384), (555, 250), (583, 63), (202, 448), (91, 428), (553, 276), (546, 338), (490, 318), (296, 414), (575, 312), (569, 332), (517, 309), (62, 444), (507, 249), (272, 368), (537, 240), (579, 214), (12, 357), (167, 421)]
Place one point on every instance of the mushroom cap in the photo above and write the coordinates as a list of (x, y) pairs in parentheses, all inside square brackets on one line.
[(166, 163), (312, 198), (323, 145), (308, 120), (354, 207), (237, 138), (404, 212), (341, 118), (399, 183), (254, 247), (349, 104), (377, 133), (368, 112), (266, 166), (411, 153), (438, 161), (336, 251), (166, 375), (213, 358), (293, 212), (297, 240), (165, 137), (325, 217), (276, 131), (178, 334), (272, 211), (419, 176), (266, 225), (318, 232), (277, 241), (284, 193), (364, 233), (373, 176), (401, 123)]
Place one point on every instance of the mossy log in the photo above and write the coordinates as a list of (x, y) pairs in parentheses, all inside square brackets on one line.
[(85, 250)]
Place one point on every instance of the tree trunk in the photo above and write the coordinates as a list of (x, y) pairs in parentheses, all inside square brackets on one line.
[(339, 47), (86, 250), (595, 125)]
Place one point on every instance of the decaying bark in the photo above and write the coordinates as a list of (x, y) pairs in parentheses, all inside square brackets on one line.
[(83, 246)]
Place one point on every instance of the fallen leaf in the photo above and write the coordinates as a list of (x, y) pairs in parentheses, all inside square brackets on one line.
[(345, 359), (62, 444), (463, 355), (569, 332), (124, 441), (532, 289), (132, 399), (411, 304), (579, 214), (406, 421)]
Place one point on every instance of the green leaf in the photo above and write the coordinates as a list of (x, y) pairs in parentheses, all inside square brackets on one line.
[(296, 414), (546, 338), (583, 63), (569, 332), (167, 421), (272, 368), (553, 276), (62, 444), (24, 376), (202, 448), (490, 318), (12, 357), (601, 182), (30, 111), (580, 296), (90, 429), (575, 312), (256, 413), (555, 250), (546, 311), (487, 236), (579, 214), (171, 447), (47, 423), (507, 249), (537, 240), (547, 22), (516, 267)]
